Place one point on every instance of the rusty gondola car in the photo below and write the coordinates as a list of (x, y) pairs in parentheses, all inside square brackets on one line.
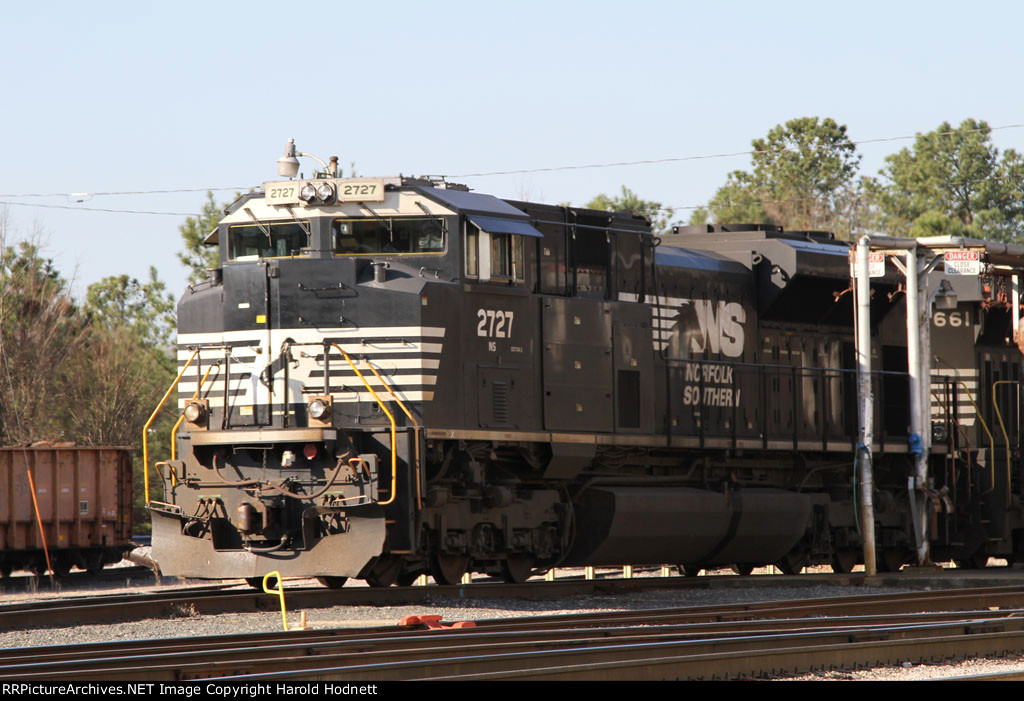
[(393, 376), (81, 510)]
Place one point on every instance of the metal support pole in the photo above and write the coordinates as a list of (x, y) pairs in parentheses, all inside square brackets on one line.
[(1015, 307), (865, 403), (918, 327)]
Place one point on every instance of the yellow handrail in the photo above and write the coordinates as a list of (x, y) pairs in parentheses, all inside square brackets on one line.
[(416, 430), (394, 458), (1006, 437), (181, 419), (145, 429)]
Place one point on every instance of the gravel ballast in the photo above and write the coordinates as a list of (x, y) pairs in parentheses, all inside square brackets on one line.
[(185, 624)]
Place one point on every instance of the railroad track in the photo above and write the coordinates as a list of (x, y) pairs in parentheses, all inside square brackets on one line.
[(41, 584), (710, 642), (228, 598)]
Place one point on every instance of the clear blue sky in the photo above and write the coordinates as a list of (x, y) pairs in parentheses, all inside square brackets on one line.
[(120, 96)]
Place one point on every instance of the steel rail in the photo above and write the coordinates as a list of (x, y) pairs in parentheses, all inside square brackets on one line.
[(1012, 676), (621, 653), (218, 599), (384, 634)]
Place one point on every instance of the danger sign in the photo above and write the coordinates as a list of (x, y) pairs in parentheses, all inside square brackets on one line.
[(962, 262), (876, 264)]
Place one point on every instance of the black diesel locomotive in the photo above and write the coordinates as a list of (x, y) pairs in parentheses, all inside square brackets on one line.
[(395, 376)]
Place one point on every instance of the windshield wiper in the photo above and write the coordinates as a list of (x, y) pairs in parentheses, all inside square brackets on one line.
[(304, 225), (385, 222), (263, 228)]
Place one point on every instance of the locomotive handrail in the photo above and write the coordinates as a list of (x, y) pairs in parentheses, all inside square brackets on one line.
[(967, 441), (416, 430), (984, 425), (181, 419), (1006, 437), (145, 429), (798, 374), (391, 417)]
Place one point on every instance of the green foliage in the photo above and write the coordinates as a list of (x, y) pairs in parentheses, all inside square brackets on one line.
[(146, 309), (803, 176), (956, 174), (629, 201), (197, 256), (737, 202)]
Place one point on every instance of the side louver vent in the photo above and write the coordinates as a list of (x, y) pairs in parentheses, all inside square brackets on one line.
[(499, 397)]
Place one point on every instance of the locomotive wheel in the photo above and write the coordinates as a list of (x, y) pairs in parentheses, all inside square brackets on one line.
[(405, 579), (448, 569), (792, 564), (688, 570), (257, 582), (890, 560), (385, 572), (843, 561), (332, 582), (516, 569), (977, 561)]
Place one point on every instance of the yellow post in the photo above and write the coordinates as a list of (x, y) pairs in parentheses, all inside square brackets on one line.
[(279, 591)]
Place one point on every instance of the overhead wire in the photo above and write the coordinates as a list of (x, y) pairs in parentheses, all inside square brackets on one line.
[(5, 198), (731, 154), (123, 192), (95, 209)]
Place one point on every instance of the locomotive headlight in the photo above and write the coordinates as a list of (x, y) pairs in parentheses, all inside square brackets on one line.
[(195, 412), (308, 193), (325, 192), (318, 409)]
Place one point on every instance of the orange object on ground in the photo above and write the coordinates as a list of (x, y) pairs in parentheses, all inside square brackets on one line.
[(433, 622)]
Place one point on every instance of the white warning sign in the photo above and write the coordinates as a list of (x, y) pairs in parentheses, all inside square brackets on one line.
[(962, 262), (876, 264)]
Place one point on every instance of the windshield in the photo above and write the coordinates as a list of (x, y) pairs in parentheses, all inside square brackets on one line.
[(388, 235), (251, 241)]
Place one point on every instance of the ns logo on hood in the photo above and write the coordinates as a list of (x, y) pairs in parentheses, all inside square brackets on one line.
[(690, 327)]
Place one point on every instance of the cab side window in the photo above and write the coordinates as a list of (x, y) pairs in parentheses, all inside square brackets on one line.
[(497, 257)]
